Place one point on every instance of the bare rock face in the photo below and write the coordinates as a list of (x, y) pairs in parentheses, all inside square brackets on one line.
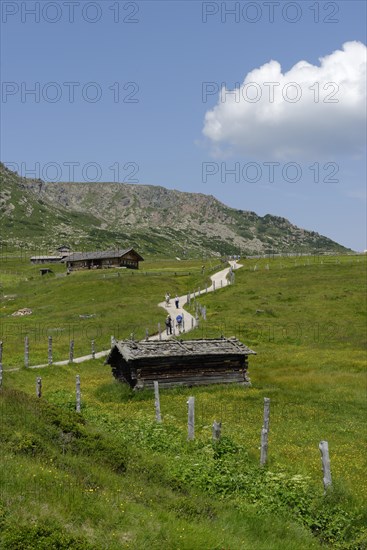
[(150, 218)]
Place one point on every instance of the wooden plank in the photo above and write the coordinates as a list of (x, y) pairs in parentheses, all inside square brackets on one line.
[(171, 383)]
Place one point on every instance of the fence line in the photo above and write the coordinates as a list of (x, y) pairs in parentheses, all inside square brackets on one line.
[(216, 426)]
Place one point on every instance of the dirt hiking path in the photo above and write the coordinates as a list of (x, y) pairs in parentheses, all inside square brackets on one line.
[(219, 280)]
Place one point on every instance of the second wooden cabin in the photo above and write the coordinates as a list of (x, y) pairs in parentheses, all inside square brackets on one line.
[(177, 362), (96, 260)]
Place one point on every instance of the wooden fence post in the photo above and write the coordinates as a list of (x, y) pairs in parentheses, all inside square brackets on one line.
[(93, 350), (191, 419), (1, 364), (71, 351), (39, 386), (216, 429), (26, 352), (221, 283), (159, 331), (192, 322), (78, 394), (50, 350), (324, 450), (146, 334), (264, 447), (266, 413), (213, 286), (157, 402), (265, 433), (183, 322)]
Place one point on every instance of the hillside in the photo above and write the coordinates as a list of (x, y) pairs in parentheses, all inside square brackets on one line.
[(111, 477), (95, 215)]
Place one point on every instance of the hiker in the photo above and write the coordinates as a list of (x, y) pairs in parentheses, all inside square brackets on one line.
[(177, 301), (168, 298), (179, 320), (168, 325)]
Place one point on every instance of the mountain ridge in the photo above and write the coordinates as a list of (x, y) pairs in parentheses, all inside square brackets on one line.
[(101, 215)]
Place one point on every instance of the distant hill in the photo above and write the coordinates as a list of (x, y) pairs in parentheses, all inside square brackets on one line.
[(153, 219)]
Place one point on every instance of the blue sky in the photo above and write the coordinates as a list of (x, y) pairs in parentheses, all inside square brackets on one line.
[(145, 91)]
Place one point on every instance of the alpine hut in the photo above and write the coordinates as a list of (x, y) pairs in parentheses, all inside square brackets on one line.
[(178, 362), (110, 258)]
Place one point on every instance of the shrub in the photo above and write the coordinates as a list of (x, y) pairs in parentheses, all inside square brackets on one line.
[(41, 536)]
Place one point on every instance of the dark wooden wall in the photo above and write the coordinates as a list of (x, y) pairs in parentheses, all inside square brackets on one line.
[(174, 371)]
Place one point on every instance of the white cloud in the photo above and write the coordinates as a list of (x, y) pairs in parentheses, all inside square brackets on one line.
[(308, 112)]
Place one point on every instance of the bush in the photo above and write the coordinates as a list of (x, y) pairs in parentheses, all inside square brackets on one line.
[(26, 443), (41, 537)]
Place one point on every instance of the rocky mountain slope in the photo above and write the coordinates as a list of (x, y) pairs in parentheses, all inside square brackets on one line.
[(102, 215)]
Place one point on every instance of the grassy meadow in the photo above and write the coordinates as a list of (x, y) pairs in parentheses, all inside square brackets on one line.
[(86, 305), (112, 478)]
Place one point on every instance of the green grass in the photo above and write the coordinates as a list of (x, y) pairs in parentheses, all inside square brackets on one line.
[(113, 478), (307, 322), (61, 473), (86, 305)]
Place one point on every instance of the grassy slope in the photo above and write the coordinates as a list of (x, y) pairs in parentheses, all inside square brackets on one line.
[(112, 302), (115, 479), (310, 336), (61, 475)]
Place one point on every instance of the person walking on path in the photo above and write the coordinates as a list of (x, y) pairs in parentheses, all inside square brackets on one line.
[(177, 301), (179, 320), (168, 325), (168, 298)]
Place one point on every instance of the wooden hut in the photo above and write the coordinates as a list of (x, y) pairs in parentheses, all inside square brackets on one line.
[(110, 258), (62, 252), (45, 259), (177, 362)]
